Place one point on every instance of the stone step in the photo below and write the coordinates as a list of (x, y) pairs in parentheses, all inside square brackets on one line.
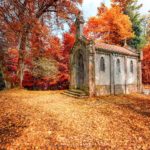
[(146, 91), (70, 95), (75, 93)]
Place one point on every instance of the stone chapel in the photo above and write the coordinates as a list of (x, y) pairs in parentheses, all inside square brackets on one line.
[(103, 69)]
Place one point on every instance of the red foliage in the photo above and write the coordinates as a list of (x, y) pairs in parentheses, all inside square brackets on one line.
[(11, 66), (146, 65), (28, 81), (68, 42), (23, 19), (43, 44), (146, 53), (50, 47)]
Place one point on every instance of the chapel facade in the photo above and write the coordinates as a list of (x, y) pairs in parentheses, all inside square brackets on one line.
[(103, 69)]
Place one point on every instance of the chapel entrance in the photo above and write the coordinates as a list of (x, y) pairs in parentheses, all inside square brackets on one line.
[(80, 72)]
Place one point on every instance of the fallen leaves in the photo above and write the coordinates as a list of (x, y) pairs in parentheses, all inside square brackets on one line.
[(48, 119)]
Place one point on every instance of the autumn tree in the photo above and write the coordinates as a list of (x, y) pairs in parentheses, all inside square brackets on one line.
[(21, 16), (146, 51), (5, 53), (111, 26), (146, 64), (146, 26), (45, 49), (10, 70), (3, 47), (44, 68), (44, 45), (131, 8), (68, 42)]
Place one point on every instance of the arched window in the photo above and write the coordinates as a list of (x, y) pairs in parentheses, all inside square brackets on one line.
[(118, 66), (102, 64), (131, 66)]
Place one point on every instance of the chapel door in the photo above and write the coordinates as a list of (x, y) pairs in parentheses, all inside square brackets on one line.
[(80, 72)]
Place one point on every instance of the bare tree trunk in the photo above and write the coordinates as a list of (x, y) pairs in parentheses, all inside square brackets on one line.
[(22, 50), (21, 73), (7, 83)]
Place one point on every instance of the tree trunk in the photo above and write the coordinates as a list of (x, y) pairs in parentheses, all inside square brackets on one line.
[(7, 83), (22, 50), (21, 73)]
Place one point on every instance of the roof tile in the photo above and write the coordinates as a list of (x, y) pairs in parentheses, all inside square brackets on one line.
[(114, 48)]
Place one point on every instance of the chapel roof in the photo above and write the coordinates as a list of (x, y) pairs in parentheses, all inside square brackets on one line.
[(116, 49)]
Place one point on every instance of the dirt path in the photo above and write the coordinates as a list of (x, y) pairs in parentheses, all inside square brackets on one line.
[(46, 120)]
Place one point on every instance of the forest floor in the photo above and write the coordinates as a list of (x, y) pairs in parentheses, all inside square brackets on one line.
[(51, 120)]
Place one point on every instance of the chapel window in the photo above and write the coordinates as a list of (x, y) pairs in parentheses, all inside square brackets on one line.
[(131, 66), (118, 66), (102, 64)]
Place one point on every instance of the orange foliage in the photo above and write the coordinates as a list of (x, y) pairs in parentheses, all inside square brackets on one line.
[(112, 26)]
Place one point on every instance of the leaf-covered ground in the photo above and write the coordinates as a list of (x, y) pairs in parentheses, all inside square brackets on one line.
[(50, 120)]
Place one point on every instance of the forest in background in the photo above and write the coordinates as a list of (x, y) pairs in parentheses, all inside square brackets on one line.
[(33, 57)]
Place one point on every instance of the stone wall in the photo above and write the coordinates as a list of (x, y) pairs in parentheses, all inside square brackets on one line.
[(119, 71), (102, 90), (119, 74), (87, 51), (131, 76), (102, 78), (132, 81), (115, 80), (74, 68), (131, 88)]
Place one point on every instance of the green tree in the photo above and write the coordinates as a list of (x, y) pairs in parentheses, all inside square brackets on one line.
[(132, 10), (146, 26)]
